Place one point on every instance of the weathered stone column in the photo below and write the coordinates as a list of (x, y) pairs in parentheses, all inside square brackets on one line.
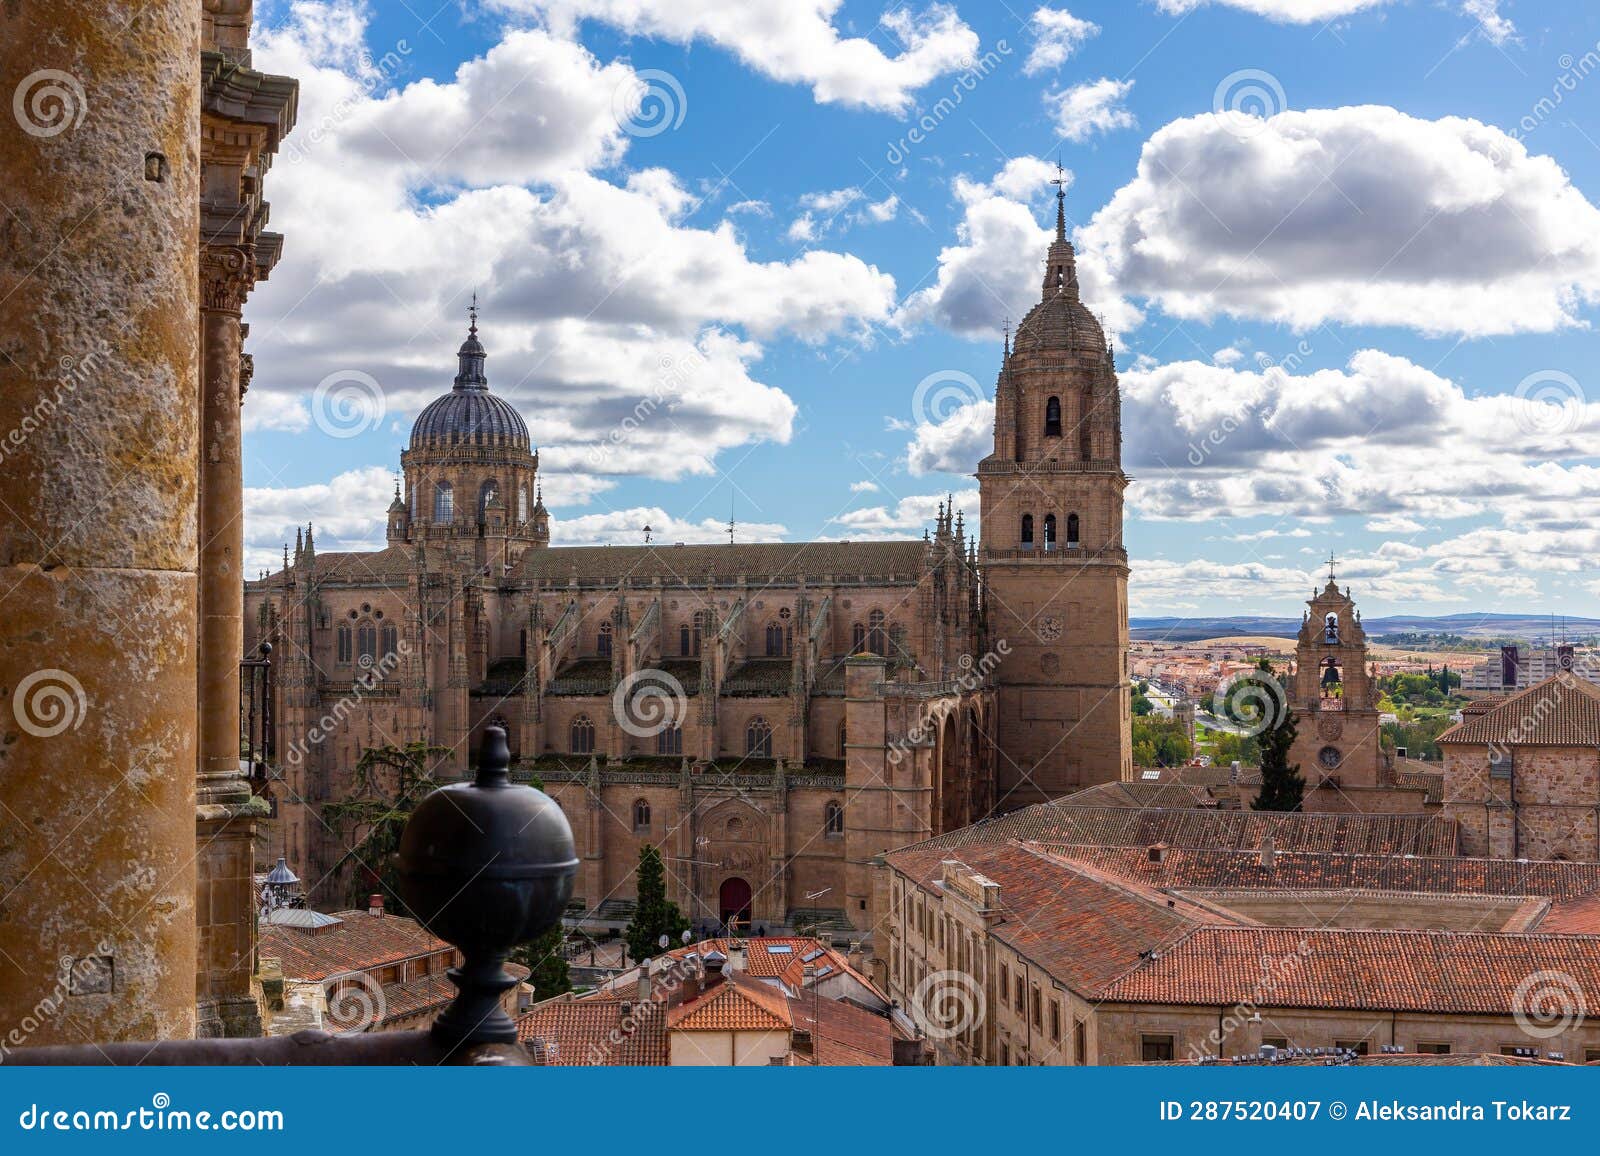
[(226, 808), (100, 172)]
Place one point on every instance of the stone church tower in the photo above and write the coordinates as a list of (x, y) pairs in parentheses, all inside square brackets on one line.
[(1338, 735), (1054, 564)]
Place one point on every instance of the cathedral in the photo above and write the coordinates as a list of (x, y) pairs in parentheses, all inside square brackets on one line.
[(772, 717)]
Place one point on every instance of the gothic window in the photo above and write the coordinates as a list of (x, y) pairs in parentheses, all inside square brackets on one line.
[(843, 734), (1073, 529), (670, 741), (685, 642), (778, 640), (1049, 531), (444, 502), (366, 643), (522, 503), (758, 739), (877, 636), (344, 643), (1052, 418), (858, 638), (391, 640), (1027, 531), (833, 819), (582, 735), (486, 493), (641, 815), (603, 641)]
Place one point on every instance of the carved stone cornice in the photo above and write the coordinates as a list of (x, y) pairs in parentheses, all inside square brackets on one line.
[(227, 274)]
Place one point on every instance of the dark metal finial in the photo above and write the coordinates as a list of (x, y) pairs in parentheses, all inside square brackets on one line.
[(494, 758), (1060, 182), (472, 314)]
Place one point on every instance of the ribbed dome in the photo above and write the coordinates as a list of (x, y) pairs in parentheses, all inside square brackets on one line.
[(469, 414), (1060, 322)]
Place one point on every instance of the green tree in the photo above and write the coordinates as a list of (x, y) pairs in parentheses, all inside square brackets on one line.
[(1282, 787), (655, 914), (547, 961), (388, 783), (1159, 742)]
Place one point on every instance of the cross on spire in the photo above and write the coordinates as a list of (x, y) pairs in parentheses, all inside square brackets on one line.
[(472, 314), (1060, 181), (1330, 565)]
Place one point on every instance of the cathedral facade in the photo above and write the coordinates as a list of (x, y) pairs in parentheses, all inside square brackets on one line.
[(771, 716)]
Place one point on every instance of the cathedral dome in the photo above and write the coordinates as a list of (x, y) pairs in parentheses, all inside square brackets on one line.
[(469, 414)]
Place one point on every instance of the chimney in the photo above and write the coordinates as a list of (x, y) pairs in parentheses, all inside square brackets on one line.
[(736, 961), (715, 962), (1156, 853), (644, 983), (375, 905), (1269, 854)]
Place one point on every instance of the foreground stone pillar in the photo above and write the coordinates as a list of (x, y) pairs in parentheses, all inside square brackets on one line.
[(99, 167)]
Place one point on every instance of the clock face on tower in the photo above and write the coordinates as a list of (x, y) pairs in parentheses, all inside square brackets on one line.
[(1049, 628)]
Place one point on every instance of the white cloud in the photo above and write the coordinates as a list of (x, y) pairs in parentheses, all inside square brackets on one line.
[(803, 228), (1227, 356), (884, 210), (909, 515), (264, 410), (626, 528), (1496, 29), (1282, 11), (1395, 524), (349, 513), (755, 208), (584, 282), (1057, 35), (955, 445), (992, 271), (1356, 215), (1085, 109), (793, 41), (863, 487)]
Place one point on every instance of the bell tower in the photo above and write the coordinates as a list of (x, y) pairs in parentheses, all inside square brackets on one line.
[(1054, 564), (1338, 736)]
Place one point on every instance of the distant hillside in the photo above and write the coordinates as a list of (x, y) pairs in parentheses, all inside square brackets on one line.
[(1478, 625)]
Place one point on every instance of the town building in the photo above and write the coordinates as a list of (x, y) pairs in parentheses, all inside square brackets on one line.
[(1516, 668), (1009, 951), (788, 1001), (771, 716), (1522, 773)]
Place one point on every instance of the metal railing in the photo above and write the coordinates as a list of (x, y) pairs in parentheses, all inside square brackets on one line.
[(257, 737)]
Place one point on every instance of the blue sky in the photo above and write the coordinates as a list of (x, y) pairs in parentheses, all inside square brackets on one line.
[(1351, 262)]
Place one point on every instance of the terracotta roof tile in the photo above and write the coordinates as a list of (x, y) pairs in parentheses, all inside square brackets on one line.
[(1061, 822), (595, 1030), (360, 943), (737, 1004), (772, 561), (1442, 972), (1304, 870), (843, 1035), (1560, 711)]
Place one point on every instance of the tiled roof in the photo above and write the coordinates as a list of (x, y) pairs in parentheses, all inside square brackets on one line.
[(400, 1001), (356, 566), (1201, 827), (1576, 916), (782, 957), (1560, 711), (1145, 794), (361, 943), (843, 1035), (1080, 927), (1444, 972), (1300, 870), (595, 1030), (739, 1003), (780, 561)]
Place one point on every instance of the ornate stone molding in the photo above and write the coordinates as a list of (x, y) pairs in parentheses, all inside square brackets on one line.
[(227, 274)]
